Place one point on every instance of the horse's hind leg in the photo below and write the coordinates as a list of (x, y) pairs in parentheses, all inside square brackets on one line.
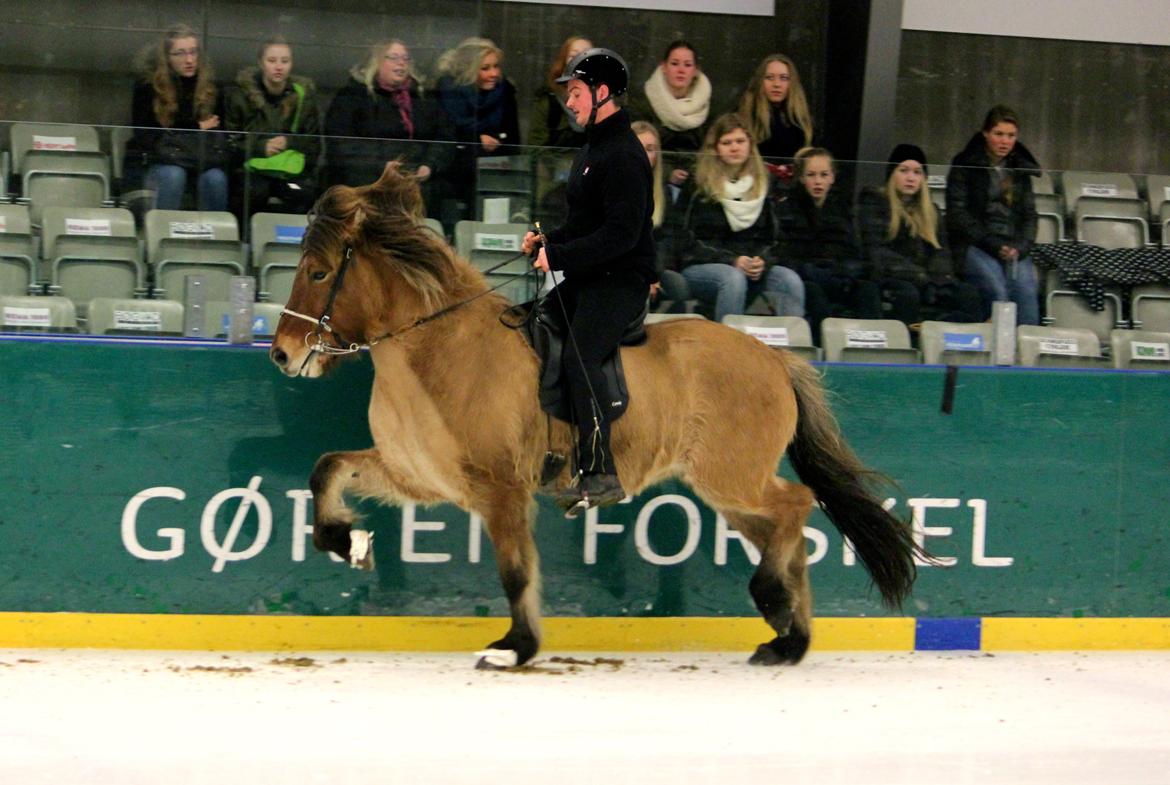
[(780, 586), (508, 516), (361, 473)]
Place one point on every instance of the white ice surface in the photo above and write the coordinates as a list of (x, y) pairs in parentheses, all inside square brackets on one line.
[(98, 717)]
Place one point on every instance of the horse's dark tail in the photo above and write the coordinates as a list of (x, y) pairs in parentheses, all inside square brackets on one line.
[(846, 490)]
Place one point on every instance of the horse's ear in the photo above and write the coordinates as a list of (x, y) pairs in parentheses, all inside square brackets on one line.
[(356, 219), (389, 174)]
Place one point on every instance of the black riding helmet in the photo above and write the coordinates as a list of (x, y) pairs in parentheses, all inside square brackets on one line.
[(596, 67)]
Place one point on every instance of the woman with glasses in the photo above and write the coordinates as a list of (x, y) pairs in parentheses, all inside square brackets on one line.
[(174, 103), (380, 115)]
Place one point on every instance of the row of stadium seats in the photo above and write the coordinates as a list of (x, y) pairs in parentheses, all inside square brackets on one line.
[(1098, 208), (83, 253), (947, 343), (114, 316), (1145, 307), (845, 340)]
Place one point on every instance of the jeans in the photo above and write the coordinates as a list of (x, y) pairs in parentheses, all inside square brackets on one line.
[(731, 291), (998, 282), (169, 183)]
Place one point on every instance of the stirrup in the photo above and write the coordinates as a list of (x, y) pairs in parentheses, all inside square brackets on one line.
[(594, 490)]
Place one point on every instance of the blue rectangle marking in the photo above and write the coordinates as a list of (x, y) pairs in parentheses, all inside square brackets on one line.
[(963, 342), (289, 234), (948, 634)]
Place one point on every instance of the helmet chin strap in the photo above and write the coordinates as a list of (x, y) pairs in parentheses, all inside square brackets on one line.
[(596, 105)]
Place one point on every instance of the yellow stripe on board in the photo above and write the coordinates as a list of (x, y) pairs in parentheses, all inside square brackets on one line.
[(442, 633), (1050, 634), (413, 633)]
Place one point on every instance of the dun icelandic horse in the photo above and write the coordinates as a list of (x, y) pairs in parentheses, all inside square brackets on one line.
[(455, 417)]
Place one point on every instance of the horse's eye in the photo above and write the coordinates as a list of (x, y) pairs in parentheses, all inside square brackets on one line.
[(318, 275)]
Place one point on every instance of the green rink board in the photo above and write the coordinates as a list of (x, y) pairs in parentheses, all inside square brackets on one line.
[(172, 479)]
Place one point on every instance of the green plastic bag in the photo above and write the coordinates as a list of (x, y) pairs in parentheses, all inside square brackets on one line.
[(286, 163)]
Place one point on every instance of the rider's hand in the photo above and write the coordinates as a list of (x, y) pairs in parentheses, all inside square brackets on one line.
[(541, 262), (531, 240)]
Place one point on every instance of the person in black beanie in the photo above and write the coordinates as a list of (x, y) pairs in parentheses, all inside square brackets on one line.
[(606, 250), (904, 242)]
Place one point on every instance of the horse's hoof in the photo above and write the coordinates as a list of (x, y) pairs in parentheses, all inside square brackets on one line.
[(361, 550), (788, 650), (496, 660), (765, 655)]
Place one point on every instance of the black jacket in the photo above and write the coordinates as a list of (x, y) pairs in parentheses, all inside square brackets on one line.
[(783, 140), (968, 201), (182, 143), (251, 109), (609, 228), (382, 136), (822, 237), (904, 257), (709, 239)]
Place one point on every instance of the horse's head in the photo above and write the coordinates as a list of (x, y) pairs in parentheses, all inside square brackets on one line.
[(367, 269)]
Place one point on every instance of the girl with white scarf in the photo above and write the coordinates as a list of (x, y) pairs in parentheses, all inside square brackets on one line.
[(731, 237), (678, 101)]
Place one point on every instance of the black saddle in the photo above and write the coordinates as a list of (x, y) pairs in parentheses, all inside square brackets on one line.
[(548, 334)]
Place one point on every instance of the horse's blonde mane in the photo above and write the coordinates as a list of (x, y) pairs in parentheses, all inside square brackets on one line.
[(382, 222)]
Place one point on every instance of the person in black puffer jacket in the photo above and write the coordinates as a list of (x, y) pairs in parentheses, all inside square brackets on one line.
[(904, 241), (606, 250), (991, 215), (819, 242)]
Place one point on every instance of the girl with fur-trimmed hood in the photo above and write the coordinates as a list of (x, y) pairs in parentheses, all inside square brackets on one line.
[(279, 112)]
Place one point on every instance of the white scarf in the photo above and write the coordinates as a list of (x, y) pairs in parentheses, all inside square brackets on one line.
[(741, 213), (679, 114)]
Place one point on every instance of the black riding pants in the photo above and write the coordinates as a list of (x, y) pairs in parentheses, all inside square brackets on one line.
[(599, 311)]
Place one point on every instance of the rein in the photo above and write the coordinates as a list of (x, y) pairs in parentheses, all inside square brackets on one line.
[(340, 346)]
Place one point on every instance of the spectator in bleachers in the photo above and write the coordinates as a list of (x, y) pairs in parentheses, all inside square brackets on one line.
[(677, 99), (776, 107), (382, 114), (991, 215), (551, 124), (279, 112), (671, 285), (174, 102), (729, 252), (480, 104), (818, 240), (904, 241)]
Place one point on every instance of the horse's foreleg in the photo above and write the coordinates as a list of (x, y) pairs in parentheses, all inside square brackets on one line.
[(780, 585), (361, 473), (509, 524)]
